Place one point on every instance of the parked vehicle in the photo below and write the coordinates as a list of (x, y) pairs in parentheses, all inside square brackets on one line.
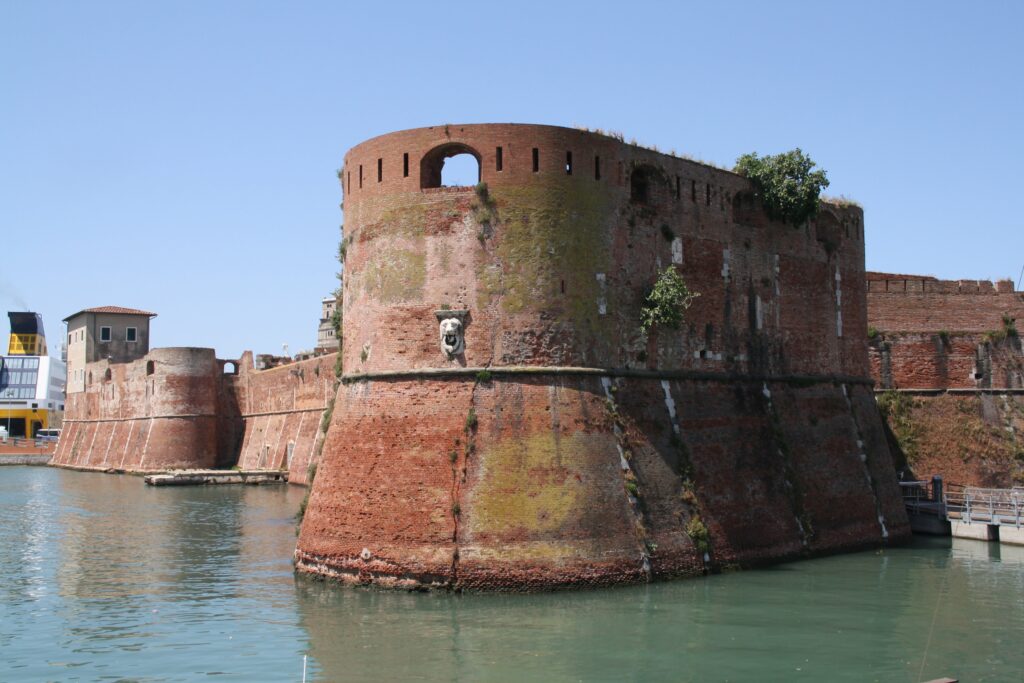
[(48, 434), (3, 434)]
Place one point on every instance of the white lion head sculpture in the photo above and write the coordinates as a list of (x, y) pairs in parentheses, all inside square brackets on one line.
[(452, 340)]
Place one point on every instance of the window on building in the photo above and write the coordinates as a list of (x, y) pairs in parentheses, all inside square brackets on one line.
[(104, 334), (131, 334)]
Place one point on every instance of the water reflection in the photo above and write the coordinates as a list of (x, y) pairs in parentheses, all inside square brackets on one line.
[(860, 617), (144, 583), (103, 577)]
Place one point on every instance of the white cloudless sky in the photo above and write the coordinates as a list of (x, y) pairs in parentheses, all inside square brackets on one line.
[(180, 156)]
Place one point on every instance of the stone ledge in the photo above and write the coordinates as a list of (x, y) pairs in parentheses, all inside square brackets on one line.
[(431, 373)]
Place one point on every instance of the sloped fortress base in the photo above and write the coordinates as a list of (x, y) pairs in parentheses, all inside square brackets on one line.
[(546, 441), (537, 495)]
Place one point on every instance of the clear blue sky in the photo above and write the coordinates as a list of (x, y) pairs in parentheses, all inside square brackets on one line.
[(181, 156)]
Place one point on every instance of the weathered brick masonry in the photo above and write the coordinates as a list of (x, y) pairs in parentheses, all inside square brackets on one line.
[(944, 334), (177, 408), (587, 453), (953, 350), (280, 410), (156, 413)]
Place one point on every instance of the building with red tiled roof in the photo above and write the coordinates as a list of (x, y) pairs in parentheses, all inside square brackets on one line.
[(112, 333), (116, 310)]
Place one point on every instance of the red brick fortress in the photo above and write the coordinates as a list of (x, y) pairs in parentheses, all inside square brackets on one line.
[(504, 423), (183, 408)]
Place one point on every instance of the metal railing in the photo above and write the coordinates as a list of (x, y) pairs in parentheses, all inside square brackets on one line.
[(22, 442), (1003, 507), (924, 496)]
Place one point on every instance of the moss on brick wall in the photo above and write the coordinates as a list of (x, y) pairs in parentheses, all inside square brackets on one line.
[(974, 439), (394, 273), (546, 233), (525, 487)]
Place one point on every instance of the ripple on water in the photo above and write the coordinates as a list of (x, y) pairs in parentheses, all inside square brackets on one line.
[(103, 578)]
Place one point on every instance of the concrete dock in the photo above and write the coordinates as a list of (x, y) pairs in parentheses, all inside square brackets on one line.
[(25, 458), (986, 514), (205, 477)]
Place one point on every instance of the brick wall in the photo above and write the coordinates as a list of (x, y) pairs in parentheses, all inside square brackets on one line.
[(280, 411), (769, 297), (536, 495), (156, 413), (569, 478), (928, 336), (937, 334), (178, 408)]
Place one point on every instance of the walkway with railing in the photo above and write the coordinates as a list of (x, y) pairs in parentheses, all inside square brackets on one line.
[(971, 504), (976, 512)]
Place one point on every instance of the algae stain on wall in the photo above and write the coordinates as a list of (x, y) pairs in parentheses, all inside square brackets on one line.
[(395, 274), (405, 221), (525, 487), (548, 233)]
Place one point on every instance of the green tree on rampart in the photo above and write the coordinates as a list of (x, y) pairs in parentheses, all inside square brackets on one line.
[(787, 185)]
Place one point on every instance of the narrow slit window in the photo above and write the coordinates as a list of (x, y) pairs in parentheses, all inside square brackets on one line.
[(360, 176), (678, 187), (348, 181), (568, 163), (536, 159), (380, 170), (707, 194), (405, 165), (498, 160), (597, 168), (693, 190)]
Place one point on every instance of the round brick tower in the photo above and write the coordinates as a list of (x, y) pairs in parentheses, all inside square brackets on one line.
[(503, 421)]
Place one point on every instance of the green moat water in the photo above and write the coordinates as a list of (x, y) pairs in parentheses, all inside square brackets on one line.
[(103, 578)]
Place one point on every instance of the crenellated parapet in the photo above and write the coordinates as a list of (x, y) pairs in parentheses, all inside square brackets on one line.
[(930, 334)]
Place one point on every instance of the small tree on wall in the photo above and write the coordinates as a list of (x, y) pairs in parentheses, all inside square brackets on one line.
[(336, 317), (789, 189), (665, 304)]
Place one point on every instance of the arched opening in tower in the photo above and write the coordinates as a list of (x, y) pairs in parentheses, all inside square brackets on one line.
[(451, 165), (459, 170), (648, 186)]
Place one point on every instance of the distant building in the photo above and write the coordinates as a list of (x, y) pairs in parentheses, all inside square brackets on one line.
[(31, 382), (113, 333), (326, 338)]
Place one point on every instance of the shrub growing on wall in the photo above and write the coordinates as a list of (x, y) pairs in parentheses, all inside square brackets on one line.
[(788, 187), (668, 299)]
